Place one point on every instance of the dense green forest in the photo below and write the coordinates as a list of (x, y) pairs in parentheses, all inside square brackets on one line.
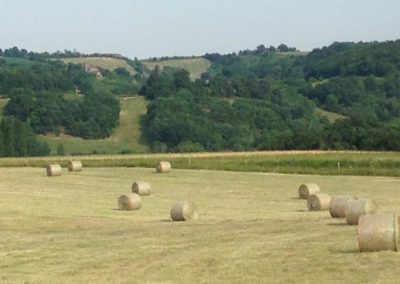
[(266, 99)]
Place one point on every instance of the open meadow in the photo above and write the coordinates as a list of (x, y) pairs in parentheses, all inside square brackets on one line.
[(252, 228)]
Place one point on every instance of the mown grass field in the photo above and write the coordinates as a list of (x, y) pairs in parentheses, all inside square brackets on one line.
[(102, 62), (295, 162), (125, 136), (195, 66), (251, 229)]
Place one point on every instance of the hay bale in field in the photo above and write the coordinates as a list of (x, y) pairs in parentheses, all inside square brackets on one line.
[(184, 211), (53, 170), (338, 203), (356, 208), (305, 190), (130, 201), (379, 232), (75, 166), (163, 167), (318, 202), (141, 188)]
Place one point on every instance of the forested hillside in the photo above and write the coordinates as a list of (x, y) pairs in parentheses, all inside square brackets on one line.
[(266, 99), (51, 97)]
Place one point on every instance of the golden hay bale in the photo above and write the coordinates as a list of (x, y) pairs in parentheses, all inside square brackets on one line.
[(184, 211), (53, 170), (130, 201), (74, 166), (318, 202), (338, 205), (163, 167), (378, 232), (305, 190), (141, 188), (356, 208)]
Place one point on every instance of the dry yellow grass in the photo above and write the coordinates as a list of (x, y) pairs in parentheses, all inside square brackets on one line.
[(252, 229), (102, 62)]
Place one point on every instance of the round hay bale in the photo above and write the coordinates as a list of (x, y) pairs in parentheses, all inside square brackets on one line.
[(305, 190), (378, 232), (53, 170), (141, 188), (75, 166), (184, 211), (130, 201), (338, 203), (356, 208), (318, 202), (163, 167)]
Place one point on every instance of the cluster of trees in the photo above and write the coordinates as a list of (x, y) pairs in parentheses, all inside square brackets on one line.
[(18, 140), (43, 93), (256, 66), (359, 59), (23, 53), (94, 115), (196, 116)]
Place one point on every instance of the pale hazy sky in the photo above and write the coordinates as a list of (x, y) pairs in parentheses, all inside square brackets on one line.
[(144, 28)]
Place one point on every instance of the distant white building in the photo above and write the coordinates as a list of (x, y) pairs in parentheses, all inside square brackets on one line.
[(90, 68)]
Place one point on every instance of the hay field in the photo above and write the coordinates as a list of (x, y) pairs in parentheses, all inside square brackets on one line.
[(252, 228), (195, 66), (108, 63), (125, 136)]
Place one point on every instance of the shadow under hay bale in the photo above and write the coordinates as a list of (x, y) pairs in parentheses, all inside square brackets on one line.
[(338, 203), (129, 201), (378, 232), (163, 167), (53, 170), (184, 211), (305, 190), (75, 166), (356, 208), (318, 202), (141, 188)]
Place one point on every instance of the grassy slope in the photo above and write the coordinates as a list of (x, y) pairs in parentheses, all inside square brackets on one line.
[(102, 62), (332, 116), (300, 162), (195, 66), (251, 229), (125, 137)]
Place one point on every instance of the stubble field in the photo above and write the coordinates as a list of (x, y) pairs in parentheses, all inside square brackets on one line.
[(252, 228)]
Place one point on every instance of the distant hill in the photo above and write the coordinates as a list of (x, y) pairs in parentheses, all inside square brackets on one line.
[(107, 63), (195, 66)]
